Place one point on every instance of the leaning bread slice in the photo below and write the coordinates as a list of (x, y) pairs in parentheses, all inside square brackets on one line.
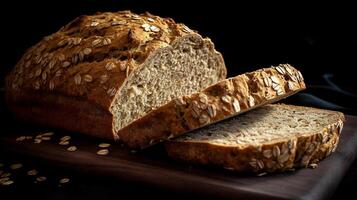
[(224, 99), (271, 138)]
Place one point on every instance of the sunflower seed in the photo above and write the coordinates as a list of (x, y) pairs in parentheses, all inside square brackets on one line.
[(77, 41), (267, 153), (283, 158), (211, 109), (109, 66), (38, 72), (276, 151), (51, 64), (66, 64), (41, 178), (87, 51), (146, 27), (72, 148), (121, 22), (236, 105), (226, 99), (62, 43), (77, 79), (61, 57), (150, 19), (64, 180), (251, 101), (291, 85), (5, 175), (154, 29), (51, 85), (289, 70), (280, 70), (204, 119), (300, 77), (16, 166), (103, 78), (75, 59), (122, 67), (58, 73), (103, 152), (280, 91), (94, 23), (106, 41), (81, 56), (96, 42), (88, 78), (267, 81), (111, 92), (33, 172), (44, 75), (28, 56), (274, 79)]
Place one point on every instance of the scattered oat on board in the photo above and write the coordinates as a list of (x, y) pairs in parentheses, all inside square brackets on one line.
[(65, 138), (103, 152), (9, 182), (6, 174), (64, 180), (64, 143), (41, 178), (104, 145), (16, 166), (32, 172), (72, 148)]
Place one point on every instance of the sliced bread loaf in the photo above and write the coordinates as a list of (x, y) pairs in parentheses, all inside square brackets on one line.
[(219, 101), (99, 73), (271, 138)]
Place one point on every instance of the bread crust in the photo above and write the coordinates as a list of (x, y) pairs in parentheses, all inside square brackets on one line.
[(70, 78), (249, 90), (300, 151)]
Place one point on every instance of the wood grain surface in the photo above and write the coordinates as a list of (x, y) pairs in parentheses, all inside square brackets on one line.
[(153, 167)]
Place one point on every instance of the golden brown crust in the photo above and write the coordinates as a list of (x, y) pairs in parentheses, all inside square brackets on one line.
[(271, 157), (69, 79), (222, 100)]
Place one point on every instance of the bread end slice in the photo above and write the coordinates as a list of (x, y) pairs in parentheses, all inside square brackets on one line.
[(271, 138)]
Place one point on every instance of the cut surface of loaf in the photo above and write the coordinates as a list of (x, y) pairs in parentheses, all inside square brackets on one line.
[(219, 101), (274, 137), (101, 72)]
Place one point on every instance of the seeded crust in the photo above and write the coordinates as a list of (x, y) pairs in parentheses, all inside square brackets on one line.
[(298, 150), (70, 79), (224, 99)]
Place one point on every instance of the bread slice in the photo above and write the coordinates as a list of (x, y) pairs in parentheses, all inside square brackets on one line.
[(271, 138), (217, 102), (99, 73)]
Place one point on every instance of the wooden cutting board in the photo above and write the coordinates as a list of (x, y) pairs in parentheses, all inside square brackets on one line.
[(153, 167)]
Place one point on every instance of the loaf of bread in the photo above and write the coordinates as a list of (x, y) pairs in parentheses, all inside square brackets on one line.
[(222, 100), (267, 139), (100, 73)]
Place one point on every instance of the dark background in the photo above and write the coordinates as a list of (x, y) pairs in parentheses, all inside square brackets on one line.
[(318, 39)]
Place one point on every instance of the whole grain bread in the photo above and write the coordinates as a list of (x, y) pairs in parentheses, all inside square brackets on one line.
[(270, 138), (101, 72), (224, 99)]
